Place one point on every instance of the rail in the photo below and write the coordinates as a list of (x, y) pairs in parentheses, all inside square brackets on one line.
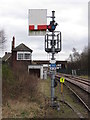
[(79, 86)]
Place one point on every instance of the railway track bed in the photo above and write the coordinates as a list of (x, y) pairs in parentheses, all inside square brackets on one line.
[(80, 87), (71, 100)]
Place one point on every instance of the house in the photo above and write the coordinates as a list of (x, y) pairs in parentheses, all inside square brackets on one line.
[(20, 55), (6, 58), (20, 58)]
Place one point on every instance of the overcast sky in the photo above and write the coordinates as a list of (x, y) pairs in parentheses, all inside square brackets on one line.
[(71, 15)]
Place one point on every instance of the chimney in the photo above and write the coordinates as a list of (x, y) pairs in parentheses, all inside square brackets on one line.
[(5, 53), (13, 43)]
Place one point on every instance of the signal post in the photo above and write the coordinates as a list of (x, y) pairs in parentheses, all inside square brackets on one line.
[(38, 27), (53, 45)]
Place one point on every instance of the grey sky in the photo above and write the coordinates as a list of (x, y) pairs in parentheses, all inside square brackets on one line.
[(71, 15)]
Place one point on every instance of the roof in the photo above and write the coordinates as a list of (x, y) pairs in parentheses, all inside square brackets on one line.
[(6, 57), (22, 47)]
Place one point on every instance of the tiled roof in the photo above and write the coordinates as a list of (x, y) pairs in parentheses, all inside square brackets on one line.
[(6, 57), (22, 47)]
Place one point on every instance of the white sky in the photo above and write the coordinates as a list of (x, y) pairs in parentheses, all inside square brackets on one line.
[(71, 15)]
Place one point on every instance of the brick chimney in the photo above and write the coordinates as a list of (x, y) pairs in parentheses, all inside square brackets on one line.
[(5, 53), (13, 43)]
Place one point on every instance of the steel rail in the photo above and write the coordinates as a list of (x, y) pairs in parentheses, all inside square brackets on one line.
[(74, 80), (79, 98), (58, 77), (72, 76)]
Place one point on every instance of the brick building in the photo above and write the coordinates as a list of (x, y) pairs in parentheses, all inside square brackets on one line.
[(20, 55)]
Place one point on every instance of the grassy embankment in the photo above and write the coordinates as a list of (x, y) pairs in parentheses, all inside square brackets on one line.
[(26, 96)]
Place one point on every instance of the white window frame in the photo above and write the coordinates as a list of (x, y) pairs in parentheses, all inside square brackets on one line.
[(24, 55)]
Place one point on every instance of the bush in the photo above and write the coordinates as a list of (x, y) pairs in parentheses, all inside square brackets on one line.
[(7, 75), (18, 83)]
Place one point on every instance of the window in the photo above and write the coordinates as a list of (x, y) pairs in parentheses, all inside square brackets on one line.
[(23, 56), (20, 56), (27, 56)]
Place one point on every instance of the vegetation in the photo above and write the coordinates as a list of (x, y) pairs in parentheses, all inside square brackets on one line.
[(79, 61), (40, 108), (18, 83), (2, 39)]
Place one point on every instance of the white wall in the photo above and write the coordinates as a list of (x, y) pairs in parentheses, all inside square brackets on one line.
[(37, 67)]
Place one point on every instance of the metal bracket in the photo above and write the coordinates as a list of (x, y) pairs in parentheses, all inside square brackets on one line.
[(56, 43)]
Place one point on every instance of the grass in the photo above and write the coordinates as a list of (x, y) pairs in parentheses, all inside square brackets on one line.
[(16, 84), (84, 76), (73, 101), (38, 106), (65, 111), (7, 75), (24, 113)]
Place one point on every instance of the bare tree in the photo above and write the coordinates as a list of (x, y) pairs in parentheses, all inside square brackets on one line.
[(71, 57), (84, 59), (79, 61), (76, 55), (2, 40)]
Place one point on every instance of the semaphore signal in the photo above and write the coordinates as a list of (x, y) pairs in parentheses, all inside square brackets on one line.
[(37, 27)]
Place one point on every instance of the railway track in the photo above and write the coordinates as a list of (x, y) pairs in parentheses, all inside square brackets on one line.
[(80, 82), (79, 86)]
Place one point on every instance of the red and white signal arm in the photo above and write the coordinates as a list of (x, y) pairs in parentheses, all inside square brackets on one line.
[(37, 22)]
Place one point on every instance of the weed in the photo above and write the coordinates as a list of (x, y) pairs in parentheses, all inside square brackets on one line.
[(18, 83), (24, 114)]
